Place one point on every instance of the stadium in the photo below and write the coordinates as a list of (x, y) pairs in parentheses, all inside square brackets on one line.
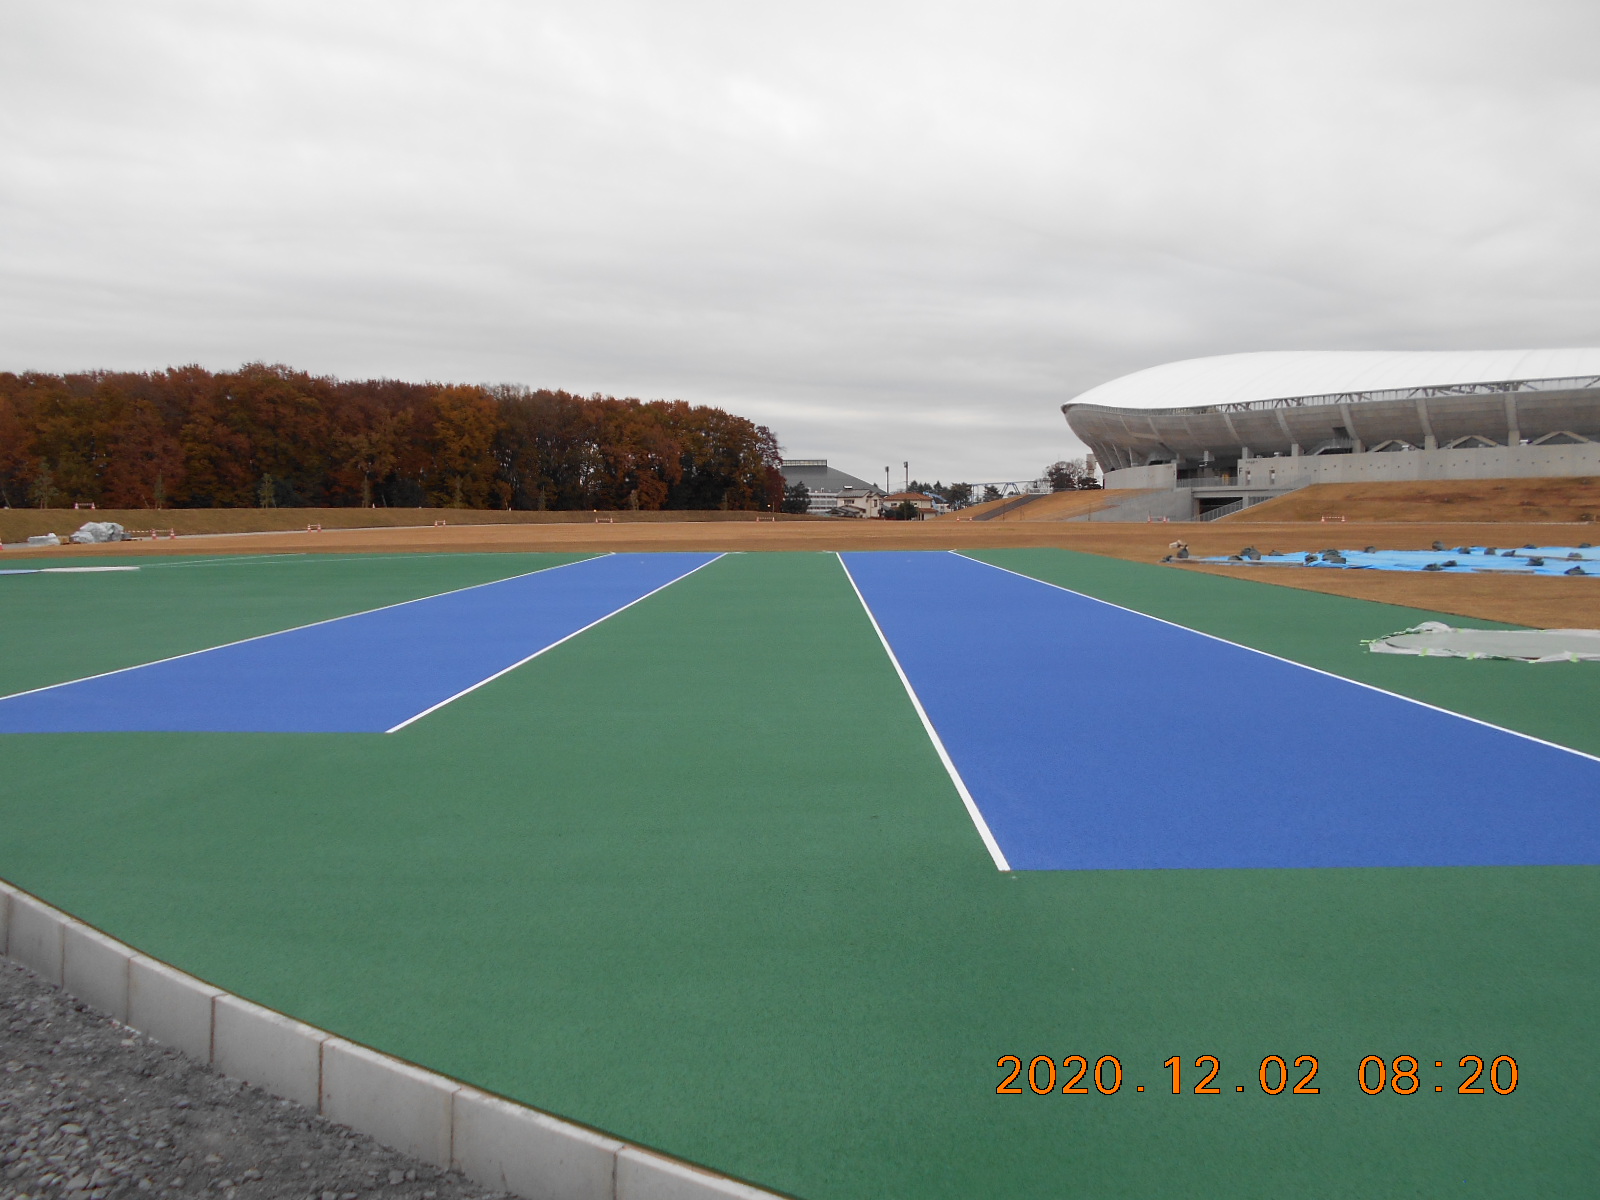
[(1219, 434)]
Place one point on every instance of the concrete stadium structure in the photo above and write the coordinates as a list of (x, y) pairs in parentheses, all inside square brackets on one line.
[(1218, 434)]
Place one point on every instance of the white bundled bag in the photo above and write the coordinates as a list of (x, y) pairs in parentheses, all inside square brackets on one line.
[(1435, 639), (99, 531)]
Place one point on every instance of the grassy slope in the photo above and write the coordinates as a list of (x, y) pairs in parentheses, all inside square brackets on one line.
[(698, 879)]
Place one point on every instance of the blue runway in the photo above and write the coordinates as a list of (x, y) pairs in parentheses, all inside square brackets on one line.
[(1092, 737), (367, 673)]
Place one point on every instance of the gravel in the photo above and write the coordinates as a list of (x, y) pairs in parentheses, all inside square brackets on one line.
[(92, 1109)]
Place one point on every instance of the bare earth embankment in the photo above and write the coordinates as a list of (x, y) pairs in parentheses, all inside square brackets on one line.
[(19, 524), (1575, 499), (1057, 506)]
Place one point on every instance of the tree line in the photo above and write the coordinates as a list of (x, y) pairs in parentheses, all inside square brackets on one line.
[(268, 436)]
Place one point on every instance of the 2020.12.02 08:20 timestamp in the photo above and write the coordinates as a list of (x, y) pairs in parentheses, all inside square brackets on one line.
[(1274, 1075)]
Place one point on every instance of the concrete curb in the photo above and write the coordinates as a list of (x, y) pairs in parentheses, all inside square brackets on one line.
[(491, 1140)]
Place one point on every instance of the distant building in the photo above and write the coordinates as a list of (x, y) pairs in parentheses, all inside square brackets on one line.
[(828, 485), (860, 503), (1220, 434), (925, 504)]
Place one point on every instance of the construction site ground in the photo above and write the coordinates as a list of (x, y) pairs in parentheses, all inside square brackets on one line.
[(1541, 602), (1054, 506), (19, 524), (1574, 499), (661, 882), (90, 1107)]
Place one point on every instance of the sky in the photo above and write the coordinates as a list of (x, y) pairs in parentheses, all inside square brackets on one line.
[(889, 231)]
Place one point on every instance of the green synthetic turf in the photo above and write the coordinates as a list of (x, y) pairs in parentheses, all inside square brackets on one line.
[(698, 879), (1555, 701)]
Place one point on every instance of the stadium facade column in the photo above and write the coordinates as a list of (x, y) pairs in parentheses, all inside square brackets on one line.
[(1429, 442), (1350, 429)]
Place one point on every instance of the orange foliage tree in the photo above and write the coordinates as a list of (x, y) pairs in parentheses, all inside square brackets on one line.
[(269, 435), (462, 423)]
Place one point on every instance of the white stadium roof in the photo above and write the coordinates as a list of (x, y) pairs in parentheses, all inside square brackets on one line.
[(1276, 374)]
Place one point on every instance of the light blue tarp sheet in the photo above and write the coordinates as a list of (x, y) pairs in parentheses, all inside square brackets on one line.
[(1502, 560)]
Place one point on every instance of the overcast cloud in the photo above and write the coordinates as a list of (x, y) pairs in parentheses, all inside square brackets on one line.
[(888, 230)]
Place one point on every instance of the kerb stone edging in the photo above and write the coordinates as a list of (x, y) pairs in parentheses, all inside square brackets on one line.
[(491, 1140)]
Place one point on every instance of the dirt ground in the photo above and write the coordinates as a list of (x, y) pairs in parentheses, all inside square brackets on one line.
[(1569, 604), (1573, 499), (1057, 506), (19, 524), (1527, 600), (90, 1109)]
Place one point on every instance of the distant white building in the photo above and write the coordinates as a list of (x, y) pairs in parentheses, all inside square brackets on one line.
[(867, 503)]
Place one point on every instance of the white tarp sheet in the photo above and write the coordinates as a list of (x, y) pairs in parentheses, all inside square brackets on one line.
[(99, 531), (1435, 639)]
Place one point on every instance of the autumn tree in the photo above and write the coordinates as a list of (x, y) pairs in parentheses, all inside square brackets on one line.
[(463, 423), (72, 418), (548, 449), (15, 447), (146, 461), (270, 435), (218, 465), (372, 448)]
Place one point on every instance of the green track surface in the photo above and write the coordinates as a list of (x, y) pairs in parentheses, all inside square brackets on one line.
[(698, 879)]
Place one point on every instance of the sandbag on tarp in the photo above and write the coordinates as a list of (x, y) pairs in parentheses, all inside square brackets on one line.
[(1435, 639), (99, 531)]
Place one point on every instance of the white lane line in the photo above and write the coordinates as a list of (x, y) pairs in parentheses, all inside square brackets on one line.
[(294, 629), (165, 562), (64, 570), (1371, 687), (933, 734), (551, 646)]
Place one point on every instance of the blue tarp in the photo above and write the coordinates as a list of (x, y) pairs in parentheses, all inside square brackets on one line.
[(1501, 560)]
